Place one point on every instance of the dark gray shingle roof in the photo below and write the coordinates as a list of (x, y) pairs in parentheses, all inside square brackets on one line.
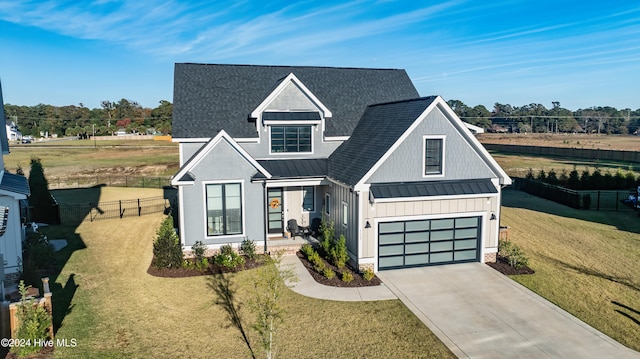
[(208, 97), (380, 127), (296, 168), (432, 188)]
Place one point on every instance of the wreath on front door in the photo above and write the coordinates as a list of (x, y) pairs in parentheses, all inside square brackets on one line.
[(275, 203)]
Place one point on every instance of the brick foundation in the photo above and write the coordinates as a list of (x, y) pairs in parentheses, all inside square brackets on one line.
[(490, 257), (365, 266)]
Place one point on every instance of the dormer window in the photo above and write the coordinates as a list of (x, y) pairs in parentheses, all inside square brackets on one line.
[(291, 139)]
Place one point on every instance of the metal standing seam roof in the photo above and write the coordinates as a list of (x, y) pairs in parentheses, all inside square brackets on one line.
[(210, 97), (15, 183), (432, 188), (291, 116), (294, 168)]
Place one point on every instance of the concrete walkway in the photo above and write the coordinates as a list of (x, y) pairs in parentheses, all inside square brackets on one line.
[(479, 313), (307, 286)]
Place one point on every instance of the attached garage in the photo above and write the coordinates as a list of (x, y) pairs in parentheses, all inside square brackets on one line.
[(429, 242)]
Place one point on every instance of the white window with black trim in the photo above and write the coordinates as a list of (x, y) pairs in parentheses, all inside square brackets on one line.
[(291, 139), (327, 203), (308, 199), (224, 209), (433, 156), (345, 214)]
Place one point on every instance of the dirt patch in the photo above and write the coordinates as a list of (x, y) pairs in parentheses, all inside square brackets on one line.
[(502, 266), (211, 269), (358, 280)]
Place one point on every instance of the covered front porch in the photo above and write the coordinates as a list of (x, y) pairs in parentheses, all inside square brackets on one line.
[(293, 196)]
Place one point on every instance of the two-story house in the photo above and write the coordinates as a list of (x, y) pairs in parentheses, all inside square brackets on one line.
[(400, 176), (13, 189)]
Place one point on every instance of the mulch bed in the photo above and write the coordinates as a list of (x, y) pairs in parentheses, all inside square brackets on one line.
[(502, 266), (44, 353), (212, 269), (358, 280)]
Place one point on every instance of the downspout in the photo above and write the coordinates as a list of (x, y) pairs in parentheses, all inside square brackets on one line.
[(265, 213)]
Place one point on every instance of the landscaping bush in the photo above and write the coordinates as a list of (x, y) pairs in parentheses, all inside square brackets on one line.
[(368, 274), (327, 232), (513, 254), (347, 276), (248, 248), (329, 273), (338, 253), (35, 322), (166, 248), (228, 257), (307, 250), (200, 261)]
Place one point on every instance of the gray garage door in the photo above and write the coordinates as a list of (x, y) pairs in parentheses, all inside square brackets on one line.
[(428, 242)]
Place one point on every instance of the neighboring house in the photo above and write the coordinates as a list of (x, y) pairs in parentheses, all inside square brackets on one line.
[(12, 132), (401, 177), (13, 189)]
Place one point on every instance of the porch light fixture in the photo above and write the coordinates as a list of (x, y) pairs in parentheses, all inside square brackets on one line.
[(493, 216), (367, 225)]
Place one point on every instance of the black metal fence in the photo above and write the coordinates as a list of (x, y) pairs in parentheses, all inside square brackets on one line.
[(591, 199), (587, 153), (109, 180), (72, 214)]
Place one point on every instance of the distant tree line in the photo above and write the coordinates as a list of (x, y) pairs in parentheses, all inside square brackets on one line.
[(81, 121), (537, 118)]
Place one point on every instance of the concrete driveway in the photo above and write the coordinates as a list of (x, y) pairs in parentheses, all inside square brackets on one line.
[(479, 313)]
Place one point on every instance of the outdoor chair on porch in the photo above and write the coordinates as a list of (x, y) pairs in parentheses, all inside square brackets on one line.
[(295, 230)]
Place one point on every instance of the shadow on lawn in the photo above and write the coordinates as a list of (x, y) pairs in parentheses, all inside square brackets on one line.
[(627, 282), (627, 314), (625, 219), (223, 287)]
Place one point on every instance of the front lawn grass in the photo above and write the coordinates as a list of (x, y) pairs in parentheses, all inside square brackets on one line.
[(117, 310), (587, 262)]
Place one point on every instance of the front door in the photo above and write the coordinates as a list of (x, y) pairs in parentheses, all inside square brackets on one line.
[(274, 205)]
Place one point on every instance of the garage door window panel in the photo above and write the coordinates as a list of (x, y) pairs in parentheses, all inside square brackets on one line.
[(416, 259), (441, 257), (465, 255), (394, 238), (417, 248), (442, 235), (442, 224)]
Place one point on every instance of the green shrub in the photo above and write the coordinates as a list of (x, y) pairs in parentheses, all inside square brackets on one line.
[(347, 276), (368, 274), (329, 273), (166, 248), (34, 324), (248, 248), (327, 231), (317, 262), (307, 250), (338, 253), (198, 250), (513, 254), (228, 257)]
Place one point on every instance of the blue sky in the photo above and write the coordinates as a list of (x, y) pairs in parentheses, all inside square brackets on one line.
[(580, 53)]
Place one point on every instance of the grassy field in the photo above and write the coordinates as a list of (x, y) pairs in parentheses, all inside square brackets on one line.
[(141, 158), (518, 165), (105, 299), (586, 262), (585, 141)]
